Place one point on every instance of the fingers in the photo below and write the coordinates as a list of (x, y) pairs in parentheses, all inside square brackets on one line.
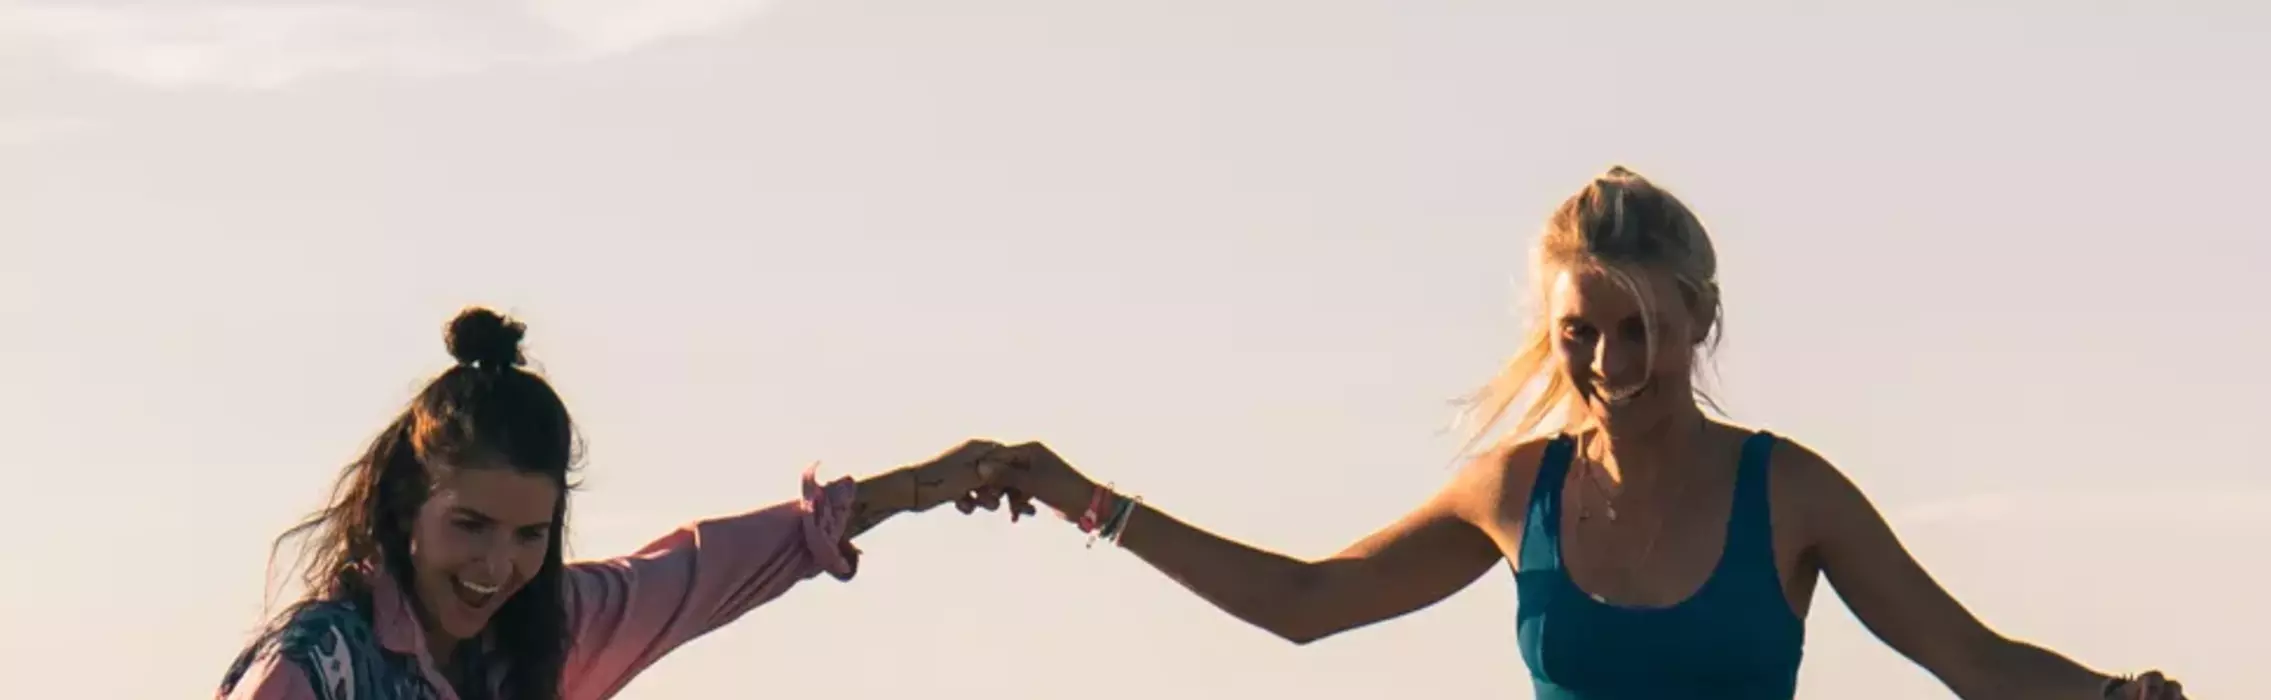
[(997, 466), (974, 450), (987, 497), (1007, 463), (1025, 452), (991, 498), (1007, 472), (2154, 686), (955, 470), (1020, 505)]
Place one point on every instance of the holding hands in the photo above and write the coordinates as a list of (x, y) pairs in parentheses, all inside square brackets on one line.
[(2150, 686), (951, 476), (1021, 474), (984, 474)]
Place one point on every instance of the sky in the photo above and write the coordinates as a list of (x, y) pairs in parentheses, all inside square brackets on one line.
[(1994, 260)]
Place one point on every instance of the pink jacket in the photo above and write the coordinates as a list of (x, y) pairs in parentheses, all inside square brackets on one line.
[(624, 613)]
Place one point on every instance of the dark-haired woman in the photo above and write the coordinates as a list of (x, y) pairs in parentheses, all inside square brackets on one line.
[(436, 573)]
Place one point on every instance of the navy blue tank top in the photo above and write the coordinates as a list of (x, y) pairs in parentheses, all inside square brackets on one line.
[(1736, 638)]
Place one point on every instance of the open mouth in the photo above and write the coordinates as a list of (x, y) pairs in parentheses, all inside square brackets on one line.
[(473, 595), (1619, 396)]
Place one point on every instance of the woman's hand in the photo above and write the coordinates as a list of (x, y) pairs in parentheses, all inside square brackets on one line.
[(2151, 686), (1024, 473), (950, 476)]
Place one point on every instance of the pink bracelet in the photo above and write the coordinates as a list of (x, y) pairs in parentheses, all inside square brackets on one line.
[(1089, 519)]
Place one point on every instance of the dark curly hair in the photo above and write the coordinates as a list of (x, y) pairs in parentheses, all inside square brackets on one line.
[(489, 409)]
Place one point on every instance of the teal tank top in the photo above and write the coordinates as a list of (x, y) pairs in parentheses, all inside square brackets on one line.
[(1734, 639)]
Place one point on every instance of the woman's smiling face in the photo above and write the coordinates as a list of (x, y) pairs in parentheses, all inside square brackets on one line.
[(1626, 342), (479, 537)]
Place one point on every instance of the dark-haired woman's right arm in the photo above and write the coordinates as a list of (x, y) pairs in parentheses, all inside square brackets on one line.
[(626, 613), (1424, 557)]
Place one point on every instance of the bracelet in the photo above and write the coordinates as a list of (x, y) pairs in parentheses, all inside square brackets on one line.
[(1107, 527), (1093, 523), (1088, 520), (1120, 510), (1116, 525), (1126, 511)]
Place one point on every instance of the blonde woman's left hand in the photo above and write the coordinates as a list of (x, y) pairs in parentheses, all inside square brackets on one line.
[(2150, 686)]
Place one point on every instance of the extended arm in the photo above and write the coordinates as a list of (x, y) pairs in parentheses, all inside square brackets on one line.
[(1903, 606), (1424, 557), (628, 612)]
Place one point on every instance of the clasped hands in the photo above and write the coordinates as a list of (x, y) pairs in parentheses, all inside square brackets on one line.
[(984, 474)]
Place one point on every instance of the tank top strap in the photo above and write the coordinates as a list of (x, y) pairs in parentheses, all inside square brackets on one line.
[(1541, 518), (1750, 528)]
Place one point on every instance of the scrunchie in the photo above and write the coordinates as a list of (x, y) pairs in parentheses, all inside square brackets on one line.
[(827, 513)]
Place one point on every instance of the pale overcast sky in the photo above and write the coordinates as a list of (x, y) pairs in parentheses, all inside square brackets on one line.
[(2003, 265)]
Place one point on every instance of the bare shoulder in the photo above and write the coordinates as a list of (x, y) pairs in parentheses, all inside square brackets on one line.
[(1808, 485), (1487, 484), (1795, 460)]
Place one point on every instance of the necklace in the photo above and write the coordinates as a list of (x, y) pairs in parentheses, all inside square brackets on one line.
[(1595, 478), (1631, 566), (1596, 475)]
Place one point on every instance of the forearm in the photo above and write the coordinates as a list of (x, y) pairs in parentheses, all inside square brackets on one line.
[(1263, 588), (907, 489), (2015, 670), (627, 612)]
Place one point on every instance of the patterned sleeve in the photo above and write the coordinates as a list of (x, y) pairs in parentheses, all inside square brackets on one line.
[(269, 677), (326, 652), (628, 612)]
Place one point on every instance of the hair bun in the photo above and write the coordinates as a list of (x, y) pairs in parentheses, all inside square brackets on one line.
[(482, 338)]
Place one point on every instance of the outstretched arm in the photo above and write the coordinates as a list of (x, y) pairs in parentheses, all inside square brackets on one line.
[(1903, 606), (627, 612), (1432, 552)]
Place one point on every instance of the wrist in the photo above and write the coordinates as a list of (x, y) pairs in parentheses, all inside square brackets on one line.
[(892, 491), (1070, 494)]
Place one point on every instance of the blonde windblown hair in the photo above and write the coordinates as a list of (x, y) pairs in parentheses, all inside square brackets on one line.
[(1619, 225)]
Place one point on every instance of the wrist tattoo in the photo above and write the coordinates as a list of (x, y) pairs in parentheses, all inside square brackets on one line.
[(872, 506), (923, 482), (864, 516)]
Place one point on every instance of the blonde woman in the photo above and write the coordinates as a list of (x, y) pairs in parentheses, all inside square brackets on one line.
[(1659, 553)]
